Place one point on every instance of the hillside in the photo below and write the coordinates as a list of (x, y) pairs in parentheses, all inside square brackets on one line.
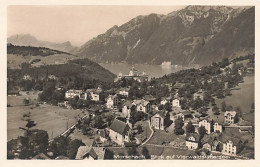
[(41, 62), (35, 56), (29, 40), (194, 35)]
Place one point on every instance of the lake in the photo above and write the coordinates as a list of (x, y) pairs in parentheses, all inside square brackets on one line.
[(151, 70)]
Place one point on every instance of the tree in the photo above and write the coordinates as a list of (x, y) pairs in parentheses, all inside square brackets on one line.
[(73, 148), (178, 126), (139, 128), (223, 106), (132, 151), (215, 110), (98, 122), (202, 131), (145, 152), (59, 145), (190, 128), (238, 111)]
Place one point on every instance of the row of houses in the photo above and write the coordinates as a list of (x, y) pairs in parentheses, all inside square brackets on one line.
[(93, 94)]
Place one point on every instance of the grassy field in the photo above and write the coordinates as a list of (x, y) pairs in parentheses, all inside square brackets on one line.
[(242, 96), (53, 119), (146, 130)]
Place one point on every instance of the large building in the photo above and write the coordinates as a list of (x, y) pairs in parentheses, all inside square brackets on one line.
[(230, 117), (120, 132), (112, 100), (232, 146), (192, 141), (133, 74), (206, 124), (159, 120)]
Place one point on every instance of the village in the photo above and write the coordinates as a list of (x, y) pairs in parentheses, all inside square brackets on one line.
[(118, 124)]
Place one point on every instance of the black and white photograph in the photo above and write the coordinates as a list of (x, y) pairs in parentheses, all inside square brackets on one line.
[(130, 82)]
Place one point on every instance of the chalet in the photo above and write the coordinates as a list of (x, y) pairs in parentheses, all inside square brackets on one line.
[(160, 119), (230, 117), (192, 141), (217, 127), (206, 124), (232, 146), (211, 142), (90, 153), (119, 132), (142, 105), (176, 103), (112, 100)]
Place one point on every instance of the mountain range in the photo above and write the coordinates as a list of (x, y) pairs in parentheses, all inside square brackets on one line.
[(29, 40), (194, 35)]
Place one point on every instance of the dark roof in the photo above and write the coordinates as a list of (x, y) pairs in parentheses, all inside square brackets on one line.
[(195, 135), (149, 98), (103, 133), (185, 113), (162, 113), (119, 127)]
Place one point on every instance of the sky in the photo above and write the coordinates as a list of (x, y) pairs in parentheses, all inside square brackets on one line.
[(76, 24)]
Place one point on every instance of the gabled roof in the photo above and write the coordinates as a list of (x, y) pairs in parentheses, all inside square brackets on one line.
[(141, 102), (149, 98), (94, 152), (232, 113), (195, 135), (119, 127), (161, 113)]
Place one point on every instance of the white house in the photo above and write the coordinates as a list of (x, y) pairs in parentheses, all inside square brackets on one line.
[(142, 105), (230, 117), (126, 110), (73, 93), (164, 101), (124, 92), (206, 124), (90, 153), (192, 141), (119, 132), (93, 94), (176, 103), (232, 146), (112, 100), (217, 127)]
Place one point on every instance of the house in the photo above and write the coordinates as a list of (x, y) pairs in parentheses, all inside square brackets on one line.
[(119, 132), (112, 100), (184, 115), (142, 105), (230, 117), (128, 106), (232, 146), (160, 119), (192, 141), (206, 124), (27, 77), (73, 93), (91, 153), (176, 103), (124, 91), (211, 142), (217, 127)]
